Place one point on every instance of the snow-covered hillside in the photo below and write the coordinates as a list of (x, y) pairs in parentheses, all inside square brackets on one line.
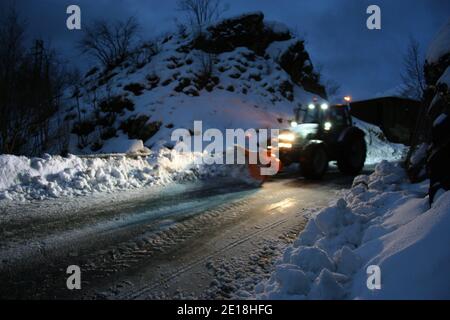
[(383, 221), (243, 85)]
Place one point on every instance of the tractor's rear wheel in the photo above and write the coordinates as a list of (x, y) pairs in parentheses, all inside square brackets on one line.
[(352, 155), (314, 161)]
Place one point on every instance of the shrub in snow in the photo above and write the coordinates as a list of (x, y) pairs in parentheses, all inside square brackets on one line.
[(135, 88), (83, 128), (140, 127)]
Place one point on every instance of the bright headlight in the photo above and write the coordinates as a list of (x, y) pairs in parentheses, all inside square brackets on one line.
[(311, 107), (324, 106), (282, 145), (286, 137), (294, 124), (327, 126)]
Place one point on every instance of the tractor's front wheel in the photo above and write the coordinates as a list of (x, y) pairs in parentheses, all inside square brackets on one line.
[(314, 161), (352, 155)]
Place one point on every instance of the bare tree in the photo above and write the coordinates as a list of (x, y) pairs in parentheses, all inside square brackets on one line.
[(206, 61), (412, 75), (31, 84), (144, 52), (200, 13), (11, 56), (332, 89), (110, 43)]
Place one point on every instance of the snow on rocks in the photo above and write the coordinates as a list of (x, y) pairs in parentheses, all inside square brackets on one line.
[(440, 44), (382, 220)]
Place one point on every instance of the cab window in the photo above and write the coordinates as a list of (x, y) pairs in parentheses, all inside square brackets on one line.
[(307, 115), (337, 116)]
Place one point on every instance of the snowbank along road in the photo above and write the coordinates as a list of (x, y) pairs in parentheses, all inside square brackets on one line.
[(207, 241)]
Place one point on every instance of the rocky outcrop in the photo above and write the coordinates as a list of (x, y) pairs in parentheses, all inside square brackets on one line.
[(437, 74), (251, 31), (248, 30), (297, 63), (439, 114)]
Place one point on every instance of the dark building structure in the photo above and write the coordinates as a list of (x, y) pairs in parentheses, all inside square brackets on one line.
[(397, 117)]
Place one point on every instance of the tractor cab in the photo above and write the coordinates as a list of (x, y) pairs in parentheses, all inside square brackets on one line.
[(321, 133), (327, 118)]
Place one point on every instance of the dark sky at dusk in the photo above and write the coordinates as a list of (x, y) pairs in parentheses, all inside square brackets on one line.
[(364, 62)]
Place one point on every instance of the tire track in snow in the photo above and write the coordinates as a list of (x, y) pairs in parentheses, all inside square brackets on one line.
[(189, 266)]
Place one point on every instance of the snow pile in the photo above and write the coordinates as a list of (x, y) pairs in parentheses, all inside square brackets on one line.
[(378, 147), (384, 221), (23, 178), (440, 45)]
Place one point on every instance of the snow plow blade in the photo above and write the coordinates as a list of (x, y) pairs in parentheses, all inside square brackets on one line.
[(266, 165)]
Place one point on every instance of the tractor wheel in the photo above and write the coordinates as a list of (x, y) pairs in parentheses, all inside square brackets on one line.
[(314, 161), (352, 153)]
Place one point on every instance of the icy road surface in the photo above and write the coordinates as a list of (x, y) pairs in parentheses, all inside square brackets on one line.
[(205, 242)]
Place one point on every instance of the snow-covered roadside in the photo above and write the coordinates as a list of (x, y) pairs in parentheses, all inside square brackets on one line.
[(23, 179), (382, 220)]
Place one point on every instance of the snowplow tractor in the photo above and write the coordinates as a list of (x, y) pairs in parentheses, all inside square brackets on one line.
[(319, 134)]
